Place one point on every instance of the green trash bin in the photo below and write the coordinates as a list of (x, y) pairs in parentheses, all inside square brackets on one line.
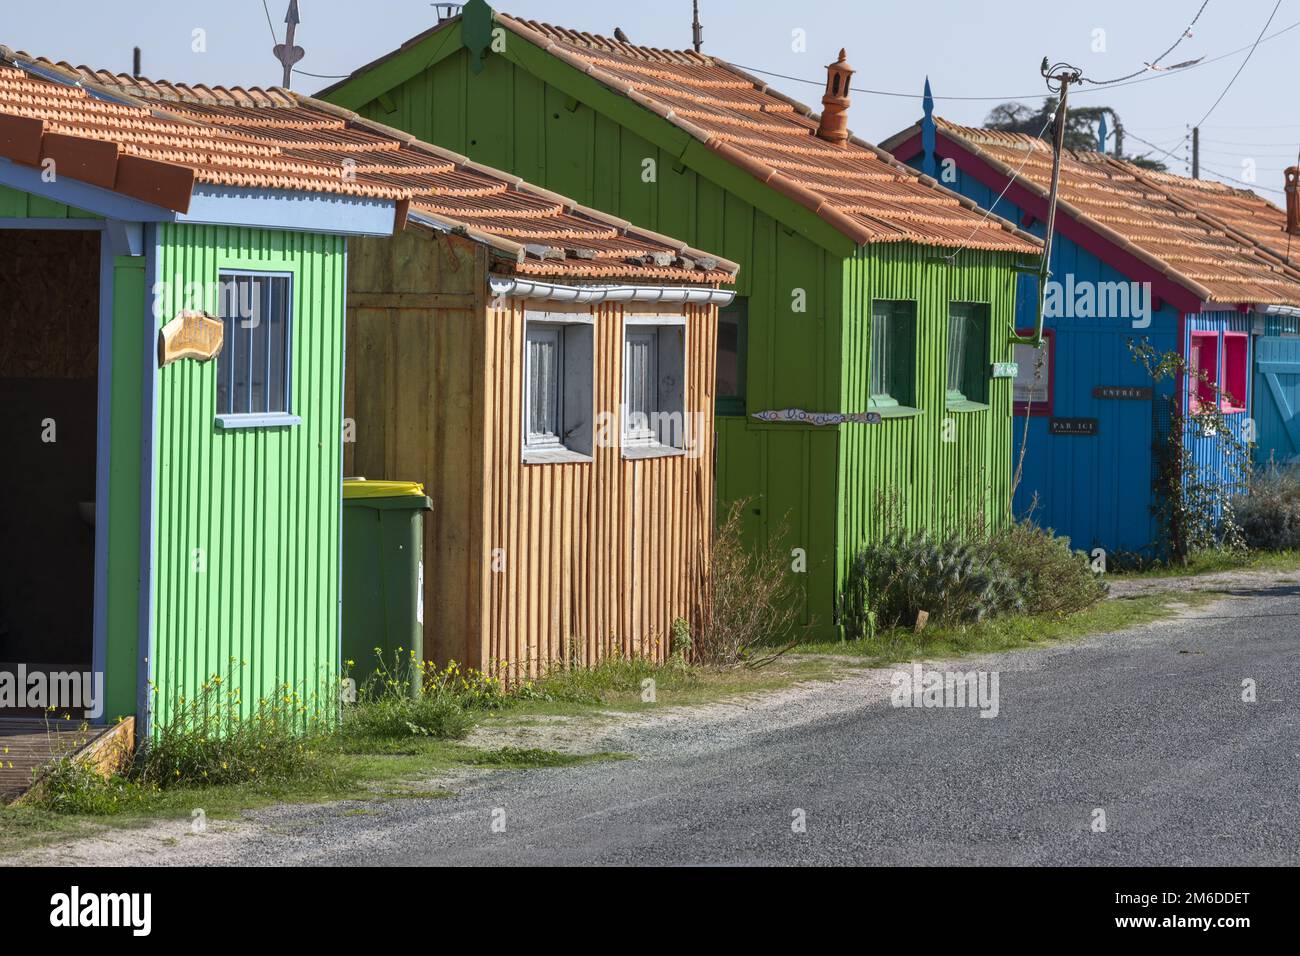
[(383, 578)]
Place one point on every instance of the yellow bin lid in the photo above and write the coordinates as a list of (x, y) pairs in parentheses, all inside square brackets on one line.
[(361, 488)]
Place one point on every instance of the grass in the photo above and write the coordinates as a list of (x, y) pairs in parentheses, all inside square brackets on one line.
[(1212, 562), (378, 758), (1011, 632), (618, 685)]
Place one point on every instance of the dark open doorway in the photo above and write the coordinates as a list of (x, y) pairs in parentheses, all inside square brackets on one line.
[(49, 354)]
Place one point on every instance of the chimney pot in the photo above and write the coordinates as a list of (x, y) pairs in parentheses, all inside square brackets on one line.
[(1293, 200), (834, 125)]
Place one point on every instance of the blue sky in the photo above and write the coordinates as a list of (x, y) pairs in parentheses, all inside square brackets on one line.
[(969, 48)]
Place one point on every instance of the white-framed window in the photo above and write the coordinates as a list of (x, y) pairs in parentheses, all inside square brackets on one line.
[(557, 386), (253, 367), (640, 385), (544, 426), (654, 385)]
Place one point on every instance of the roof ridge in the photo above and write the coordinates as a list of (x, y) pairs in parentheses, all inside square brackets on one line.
[(597, 41)]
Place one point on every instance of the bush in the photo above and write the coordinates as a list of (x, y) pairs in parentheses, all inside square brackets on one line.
[(412, 698), (955, 581), (1056, 579), (752, 600), (209, 741), (1269, 513), (70, 786)]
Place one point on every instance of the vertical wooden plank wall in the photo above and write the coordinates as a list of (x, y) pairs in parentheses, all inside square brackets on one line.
[(524, 564), (598, 558), (414, 390)]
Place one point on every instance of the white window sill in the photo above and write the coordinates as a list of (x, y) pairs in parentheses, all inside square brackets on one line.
[(271, 420), (651, 450), (554, 456)]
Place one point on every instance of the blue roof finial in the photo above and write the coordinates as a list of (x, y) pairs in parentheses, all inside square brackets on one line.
[(1102, 134), (928, 165)]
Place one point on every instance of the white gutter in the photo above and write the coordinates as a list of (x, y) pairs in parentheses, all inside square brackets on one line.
[(517, 288), (1278, 310)]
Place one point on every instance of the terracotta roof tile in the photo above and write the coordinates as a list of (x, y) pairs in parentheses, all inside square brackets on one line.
[(1239, 209), (278, 139), (775, 139), (1205, 234)]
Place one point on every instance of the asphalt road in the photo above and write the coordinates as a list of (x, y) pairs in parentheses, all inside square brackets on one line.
[(1148, 726)]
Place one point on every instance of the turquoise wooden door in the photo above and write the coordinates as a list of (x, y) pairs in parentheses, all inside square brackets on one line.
[(1277, 398)]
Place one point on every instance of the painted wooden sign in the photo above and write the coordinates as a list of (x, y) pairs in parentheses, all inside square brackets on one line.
[(190, 335), (800, 417), (1072, 426), (1132, 393), (1005, 369)]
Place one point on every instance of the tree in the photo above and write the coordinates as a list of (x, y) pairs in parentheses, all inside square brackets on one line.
[(1080, 126)]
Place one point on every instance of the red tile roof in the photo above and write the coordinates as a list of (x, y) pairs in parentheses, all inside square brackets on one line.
[(277, 139), (1245, 211), (1159, 221), (860, 190)]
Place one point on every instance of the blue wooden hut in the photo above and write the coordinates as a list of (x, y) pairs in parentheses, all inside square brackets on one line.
[(1130, 261), (1275, 347)]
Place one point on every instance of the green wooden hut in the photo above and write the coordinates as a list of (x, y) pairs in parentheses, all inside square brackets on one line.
[(171, 368), (856, 367)]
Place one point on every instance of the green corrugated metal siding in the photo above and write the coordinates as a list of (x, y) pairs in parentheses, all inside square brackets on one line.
[(261, 504), (939, 485)]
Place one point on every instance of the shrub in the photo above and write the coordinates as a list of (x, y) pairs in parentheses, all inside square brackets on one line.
[(956, 582), (1056, 579), (412, 698), (70, 786), (1269, 513), (752, 600), (209, 741)]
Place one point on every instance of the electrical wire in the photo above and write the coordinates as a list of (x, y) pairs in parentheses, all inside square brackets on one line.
[(1253, 47), (1029, 150), (321, 76), (1239, 182), (1229, 142), (1187, 32), (1276, 6), (267, 11), (1025, 96)]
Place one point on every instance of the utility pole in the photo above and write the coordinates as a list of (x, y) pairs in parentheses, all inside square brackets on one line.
[(286, 52), (1196, 152), (697, 31), (1059, 78)]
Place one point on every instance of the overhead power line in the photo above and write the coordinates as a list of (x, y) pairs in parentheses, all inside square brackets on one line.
[(1251, 53), (1253, 47), (267, 11), (1031, 96), (1187, 32)]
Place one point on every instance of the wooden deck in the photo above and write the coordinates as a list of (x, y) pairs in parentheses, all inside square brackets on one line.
[(27, 743)]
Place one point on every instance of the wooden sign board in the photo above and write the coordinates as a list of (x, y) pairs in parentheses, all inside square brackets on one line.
[(1131, 393), (1072, 426), (190, 335)]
